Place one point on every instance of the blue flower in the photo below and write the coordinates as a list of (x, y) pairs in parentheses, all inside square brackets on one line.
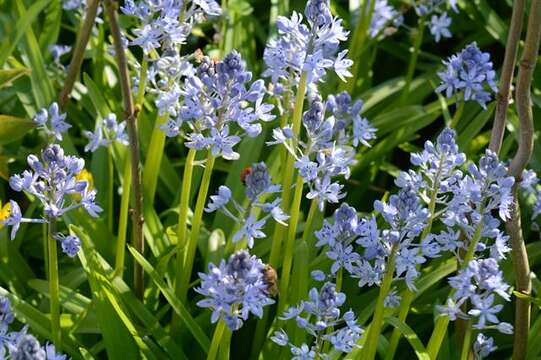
[(249, 230), (470, 73), (234, 289), (483, 346), (219, 200), (439, 26), (57, 124), (70, 244), (383, 17)]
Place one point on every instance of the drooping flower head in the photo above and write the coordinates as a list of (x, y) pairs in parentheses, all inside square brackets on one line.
[(234, 289)]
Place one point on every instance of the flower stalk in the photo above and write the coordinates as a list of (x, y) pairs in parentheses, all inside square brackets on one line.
[(130, 114), (54, 287)]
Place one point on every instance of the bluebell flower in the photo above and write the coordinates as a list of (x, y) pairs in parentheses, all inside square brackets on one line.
[(15, 219), (234, 289), (483, 346), (311, 48), (53, 180), (70, 244), (384, 18), (258, 186), (108, 131), (52, 121), (439, 26), (469, 73), (217, 97), (319, 317), (27, 347)]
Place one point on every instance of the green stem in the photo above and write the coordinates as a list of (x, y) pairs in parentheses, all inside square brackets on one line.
[(290, 243), (225, 345), (111, 188), (196, 227), (370, 346), (308, 224), (183, 215), (458, 113), (467, 341), (54, 286), (339, 279), (412, 65), (123, 220), (357, 43), (408, 296), (434, 344), (216, 340), (288, 171)]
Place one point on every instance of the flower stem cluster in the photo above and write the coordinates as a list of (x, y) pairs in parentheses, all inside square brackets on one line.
[(107, 132)]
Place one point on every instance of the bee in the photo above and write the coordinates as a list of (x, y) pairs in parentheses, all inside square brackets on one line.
[(271, 279), (245, 172)]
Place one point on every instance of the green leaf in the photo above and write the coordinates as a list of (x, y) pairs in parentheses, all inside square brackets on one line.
[(7, 76), (411, 336), (13, 128), (23, 23), (51, 25), (179, 308)]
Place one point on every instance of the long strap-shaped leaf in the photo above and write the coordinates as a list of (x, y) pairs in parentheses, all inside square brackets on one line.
[(179, 308), (411, 336)]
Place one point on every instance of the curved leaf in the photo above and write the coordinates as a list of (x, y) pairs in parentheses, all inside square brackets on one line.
[(411, 336), (13, 128)]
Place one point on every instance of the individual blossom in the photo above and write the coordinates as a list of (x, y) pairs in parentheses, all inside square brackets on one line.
[(109, 130), (439, 26), (70, 244), (53, 181), (52, 121), (321, 318), (469, 73), (530, 185), (57, 51), (234, 289), (258, 187), (218, 98), (483, 346)]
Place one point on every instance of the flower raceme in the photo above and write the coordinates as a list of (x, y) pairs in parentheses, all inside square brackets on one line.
[(108, 131), (235, 288), (53, 181), (218, 96), (469, 73), (328, 150)]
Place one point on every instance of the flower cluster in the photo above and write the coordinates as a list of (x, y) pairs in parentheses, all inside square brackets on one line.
[(216, 97), (52, 121), (439, 21), (258, 185), (167, 23), (329, 149), (235, 288), (53, 180), (469, 73), (19, 344), (321, 318), (385, 19), (309, 48), (107, 132)]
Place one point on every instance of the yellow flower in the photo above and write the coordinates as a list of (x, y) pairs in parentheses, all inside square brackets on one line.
[(85, 175), (4, 212)]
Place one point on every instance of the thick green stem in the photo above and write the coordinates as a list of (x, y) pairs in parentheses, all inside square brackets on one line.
[(290, 243), (434, 344), (458, 113), (288, 172), (123, 220), (197, 220), (309, 223), (412, 65), (369, 351), (54, 300), (216, 340), (467, 341), (184, 205)]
